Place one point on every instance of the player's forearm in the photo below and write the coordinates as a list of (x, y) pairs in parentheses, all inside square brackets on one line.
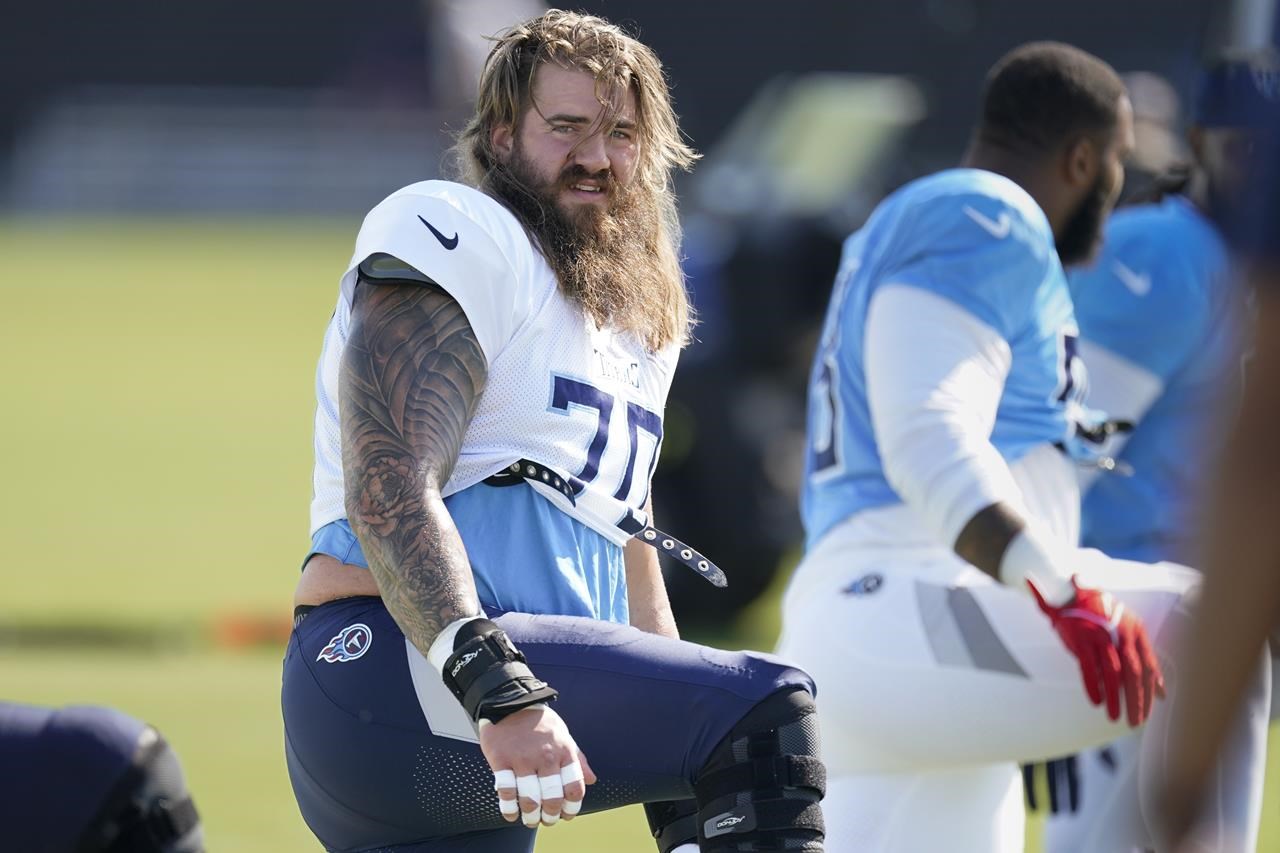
[(1004, 544), (985, 538), (419, 563), (648, 606), (411, 373)]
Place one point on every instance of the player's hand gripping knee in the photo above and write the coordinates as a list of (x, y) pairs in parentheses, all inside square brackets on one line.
[(1111, 645), (538, 770)]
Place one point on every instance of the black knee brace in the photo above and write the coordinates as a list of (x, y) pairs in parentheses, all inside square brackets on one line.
[(150, 809), (672, 822), (760, 788)]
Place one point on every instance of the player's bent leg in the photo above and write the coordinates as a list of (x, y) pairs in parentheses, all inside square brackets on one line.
[(647, 711), (366, 767), (966, 810), (935, 665), (930, 665), (745, 734)]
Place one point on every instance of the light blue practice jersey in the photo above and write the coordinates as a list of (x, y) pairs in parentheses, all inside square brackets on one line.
[(980, 241), (1159, 298), (526, 555), (583, 400)]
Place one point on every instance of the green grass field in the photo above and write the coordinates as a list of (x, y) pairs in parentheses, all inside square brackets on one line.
[(157, 455)]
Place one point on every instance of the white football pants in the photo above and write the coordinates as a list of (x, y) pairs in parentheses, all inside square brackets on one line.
[(935, 682)]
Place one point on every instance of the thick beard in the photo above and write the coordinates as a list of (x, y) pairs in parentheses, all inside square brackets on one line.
[(616, 262), (1082, 234)]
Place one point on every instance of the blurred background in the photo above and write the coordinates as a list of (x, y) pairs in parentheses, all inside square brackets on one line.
[(180, 187)]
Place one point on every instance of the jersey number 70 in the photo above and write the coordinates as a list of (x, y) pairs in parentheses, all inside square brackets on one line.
[(569, 393)]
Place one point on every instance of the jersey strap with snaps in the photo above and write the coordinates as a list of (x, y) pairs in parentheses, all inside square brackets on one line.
[(575, 492)]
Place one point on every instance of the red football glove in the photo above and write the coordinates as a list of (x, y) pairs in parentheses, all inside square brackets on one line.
[(1113, 650)]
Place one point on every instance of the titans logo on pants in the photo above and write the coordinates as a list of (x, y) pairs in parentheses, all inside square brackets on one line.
[(351, 643)]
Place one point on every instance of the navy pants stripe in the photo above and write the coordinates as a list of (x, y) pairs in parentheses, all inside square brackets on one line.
[(369, 774)]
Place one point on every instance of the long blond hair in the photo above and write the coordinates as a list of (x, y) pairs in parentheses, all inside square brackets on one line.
[(617, 62)]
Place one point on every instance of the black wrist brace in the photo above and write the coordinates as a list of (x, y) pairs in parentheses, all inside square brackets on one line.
[(489, 676)]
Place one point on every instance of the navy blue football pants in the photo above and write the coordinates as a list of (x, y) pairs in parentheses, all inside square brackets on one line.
[(369, 774)]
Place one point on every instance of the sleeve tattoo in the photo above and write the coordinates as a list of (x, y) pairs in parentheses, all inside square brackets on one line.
[(411, 374)]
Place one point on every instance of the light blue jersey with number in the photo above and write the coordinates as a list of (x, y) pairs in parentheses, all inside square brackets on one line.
[(1159, 332), (980, 241)]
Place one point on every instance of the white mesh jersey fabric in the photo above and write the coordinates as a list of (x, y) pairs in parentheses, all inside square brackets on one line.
[(584, 401)]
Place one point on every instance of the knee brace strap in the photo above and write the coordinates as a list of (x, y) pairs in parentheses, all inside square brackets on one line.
[(761, 788), (672, 822), (748, 825), (764, 774), (149, 808)]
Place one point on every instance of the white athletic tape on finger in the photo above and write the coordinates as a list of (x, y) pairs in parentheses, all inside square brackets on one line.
[(550, 819), (571, 807), (531, 819), (571, 773), (528, 787), (504, 780), (551, 787), (508, 807)]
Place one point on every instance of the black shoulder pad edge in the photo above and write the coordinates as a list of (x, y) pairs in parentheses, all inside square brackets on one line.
[(381, 268)]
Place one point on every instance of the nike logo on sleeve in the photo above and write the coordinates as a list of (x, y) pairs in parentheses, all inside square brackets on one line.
[(998, 228), (449, 243), (1138, 283)]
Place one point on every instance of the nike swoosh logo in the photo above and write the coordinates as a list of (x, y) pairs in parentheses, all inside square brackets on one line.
[(449, 243), (998, 228), (1138, 283)]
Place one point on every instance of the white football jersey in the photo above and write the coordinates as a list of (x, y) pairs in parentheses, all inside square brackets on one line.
[(583, 401)]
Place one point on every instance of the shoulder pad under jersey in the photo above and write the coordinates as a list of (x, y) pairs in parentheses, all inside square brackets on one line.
[(381, 268)]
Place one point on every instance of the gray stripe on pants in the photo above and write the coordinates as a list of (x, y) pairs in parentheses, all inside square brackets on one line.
[(985, 646), (960, 633), (940, 627)]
